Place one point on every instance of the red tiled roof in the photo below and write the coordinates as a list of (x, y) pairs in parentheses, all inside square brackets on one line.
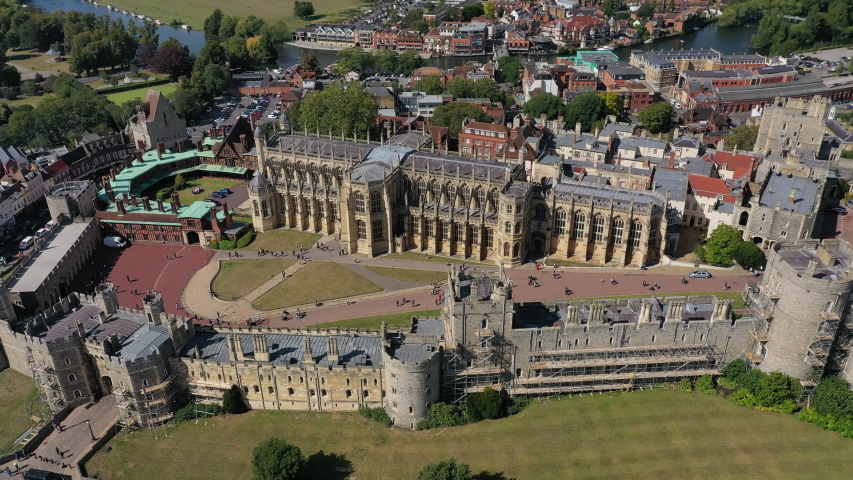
[(739, 163), (56, 167), (492, 127), (707, 186)]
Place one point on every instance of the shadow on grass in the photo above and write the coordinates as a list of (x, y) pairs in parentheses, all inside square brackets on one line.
[(328, 466), (486, 475)]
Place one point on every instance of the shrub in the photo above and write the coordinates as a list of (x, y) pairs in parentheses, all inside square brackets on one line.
[(444, 414), (843, 425), (517, 404), (245, 239), (488, 404), (735, 369), (188, 412), (727, 383), (165, 193), (833, 397), (775, 388), (232, 401), (705, 384), (275, 459), (686, 385), (377, 414), (180, 183), (226, 245), (743, 397), (751, 379), (445, 470), (213, 245)]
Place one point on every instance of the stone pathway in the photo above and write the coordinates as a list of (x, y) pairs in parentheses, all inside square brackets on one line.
[(584, 281)]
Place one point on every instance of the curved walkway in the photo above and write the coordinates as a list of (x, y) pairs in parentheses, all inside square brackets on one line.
[(585, 282)]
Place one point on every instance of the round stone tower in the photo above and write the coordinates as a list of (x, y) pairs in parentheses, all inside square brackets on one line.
[(810, 283), (413, 374)]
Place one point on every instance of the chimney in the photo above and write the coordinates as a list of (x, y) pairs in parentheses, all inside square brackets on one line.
[(244, 141), (197, 351), (199, 145), (102, 317), (140, 145), (146, 204), (228, 219), (113, 172), (578, 130), (672, 159), (810, 270), (128, 161), (125, 198), (333, 356), (792, 197), (645, 312), (262, 353), (161, 148), (179, 146), (138, 155), (212, 133), (133, 201), (160, 205), (120, 206), (111, 194), (308, 354), (596, 313), (105, 180), (159, 154), (176, 202)]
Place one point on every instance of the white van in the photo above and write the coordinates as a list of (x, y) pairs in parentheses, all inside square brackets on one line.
[(41, 233), (115, 242), (26, 243)]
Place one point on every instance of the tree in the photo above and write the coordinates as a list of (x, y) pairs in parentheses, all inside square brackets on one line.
[(510, 69), (613, 103), (214, 81), (409, 61), (452, 115), (186, 103), (29, 87), (415, 15), (735, 370), (646, 10), (446, 470), (431, 85), (303, 10), (277, 32), (742, 137), (460, 88), (658, 117), (310, 63), (544, 103), (353, 59), (586, 108), (228, 26), (180, 183), (705, 384), (232, 401), (833, 397), (388, 60), (485, 405), (238, 54), (672, 5), (342, 109), (275, 459), (489, 10), (471, 11), (748, 255), (172, 61), (720, 245), (212, 23), (775, 388), (429, 6), (610, 7)]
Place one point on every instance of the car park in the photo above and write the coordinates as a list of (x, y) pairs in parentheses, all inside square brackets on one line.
[(700, 274), (213, 201), (216, 195)]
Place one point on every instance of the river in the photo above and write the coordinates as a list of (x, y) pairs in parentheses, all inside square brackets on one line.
[(726, 40)]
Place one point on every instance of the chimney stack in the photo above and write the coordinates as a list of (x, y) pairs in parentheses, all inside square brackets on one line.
[(811, 269), (133, 201), (333, 355), (199, 145), (128, 161), (120, 206), (113, 172), (146, 204), (138, 155), (140, 145), (672, 159), (308, 354), (792, 197), (160, 205), (176, 202), (228, 219)]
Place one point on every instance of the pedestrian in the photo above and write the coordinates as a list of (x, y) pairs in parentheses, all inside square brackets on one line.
[(58, 452), (347, 301), (177, 307), (398, 303), (602, 279), (137, 306), (167, 257), (283, 275), (128, 278)]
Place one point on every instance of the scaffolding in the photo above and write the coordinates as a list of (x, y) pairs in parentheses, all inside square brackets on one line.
[(206, 396), (48, 385), (817, 355), (150, 407), (470, 369), (570, 371)]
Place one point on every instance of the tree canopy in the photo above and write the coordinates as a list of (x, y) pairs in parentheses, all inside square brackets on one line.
[(721, 244), (310, 62), (452, 115), (275, 459), (232, 400), (303, 10), (544, 103), (834, 397), (342, 109), (431, 85), (658, 117), (510, 69), (742, 137), (748, 255), (586, 108), (445, 470)]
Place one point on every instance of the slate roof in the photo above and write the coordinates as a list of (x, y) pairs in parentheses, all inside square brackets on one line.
[(778, 187), (799, 259)]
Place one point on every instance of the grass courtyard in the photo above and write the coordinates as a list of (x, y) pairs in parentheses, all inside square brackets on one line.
[(236, 278), (194, 13), (395, 320), (34, 60), (209, 185), (408, 274), (319, 281), (18, 400), (282, 240), (640, 435), (140, 93), (423, 257)]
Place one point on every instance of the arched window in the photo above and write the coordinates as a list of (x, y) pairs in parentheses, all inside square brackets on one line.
[(348, 382), (349, 393), (375, 202), (580, 223), (362, 229), (540, 212), (359, 202), (560, 222), (324, 393), (506, 249), (72, 378), (516, 250), (481, 197), (366, 394), (489, 237), (616, 234), (290, 392), (484, 323), (68, 361), (653, 230), (270, 390), (77, 394), (256, 389), (507, 227), (744, 218), (598, 228), (517, 229), (636, 233)]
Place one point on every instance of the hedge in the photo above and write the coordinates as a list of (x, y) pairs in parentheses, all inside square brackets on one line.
[(226, 245), (245, 239), (132, 86), (165, 193)]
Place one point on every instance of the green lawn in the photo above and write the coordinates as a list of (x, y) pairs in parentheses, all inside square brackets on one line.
[(422, 257), (640, 435), (140, 93), (209, 185), (194, 13), (24, 100), (18, 402), (34, 60), (735, 297), (316, 281), (239, 277), (283, 240), (395, 320), (408, 275)]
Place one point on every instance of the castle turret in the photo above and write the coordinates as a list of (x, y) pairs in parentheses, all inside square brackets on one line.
[(106, 296), (261, 195), (262, 352), (154, 309), (413, 372)]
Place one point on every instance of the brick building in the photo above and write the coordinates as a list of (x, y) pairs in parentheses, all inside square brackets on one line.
[(156, 121)]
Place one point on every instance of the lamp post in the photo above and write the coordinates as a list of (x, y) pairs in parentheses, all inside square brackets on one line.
[(91, 434)]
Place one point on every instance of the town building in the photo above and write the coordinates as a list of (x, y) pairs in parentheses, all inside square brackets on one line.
[(157, 122)]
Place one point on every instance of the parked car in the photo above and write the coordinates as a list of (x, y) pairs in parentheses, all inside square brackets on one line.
[(225, 191), (213, 201), (700, 274), (217, 195), (26, 243), (115, 242), (41, 232), (841, 210)]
